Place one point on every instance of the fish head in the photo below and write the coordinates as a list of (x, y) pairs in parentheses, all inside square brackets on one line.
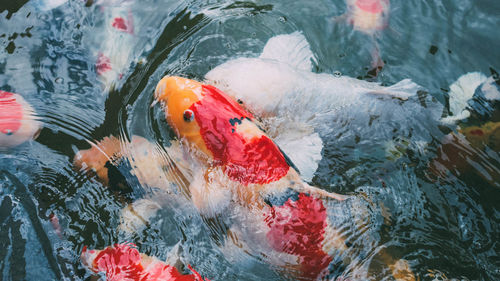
[(12, 113), (368, 16), (178, 95), (205, 117), (118, 260), (125, 262), (214, 123), (18, 121)]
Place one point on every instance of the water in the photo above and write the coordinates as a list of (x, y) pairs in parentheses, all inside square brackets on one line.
[(444, 222)]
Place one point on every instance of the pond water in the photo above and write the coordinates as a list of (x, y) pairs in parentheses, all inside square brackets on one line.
[(431, 189)]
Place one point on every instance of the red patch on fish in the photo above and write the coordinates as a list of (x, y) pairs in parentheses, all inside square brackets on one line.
[(477, 132), (54, 220), (11, 113), (298, 228), (372, 6), (103, 64), (123, 262), (119, 23), (257, 161), (125, 25)]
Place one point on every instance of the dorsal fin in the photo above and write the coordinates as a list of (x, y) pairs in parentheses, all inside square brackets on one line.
[(292, 49)]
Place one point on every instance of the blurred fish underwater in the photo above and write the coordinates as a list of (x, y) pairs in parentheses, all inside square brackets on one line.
[(393, 104)]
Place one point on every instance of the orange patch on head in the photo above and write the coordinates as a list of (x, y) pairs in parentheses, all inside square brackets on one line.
[(178, 95)]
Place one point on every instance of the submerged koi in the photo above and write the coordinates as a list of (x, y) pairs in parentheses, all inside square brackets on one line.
[(368, 16), (17, 120), (474, 103), (54, 221), (115, 45), (124, 262)]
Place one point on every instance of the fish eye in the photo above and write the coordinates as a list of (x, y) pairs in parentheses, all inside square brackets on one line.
[(188, 115)]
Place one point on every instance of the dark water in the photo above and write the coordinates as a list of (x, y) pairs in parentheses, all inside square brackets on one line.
[(446, 224)]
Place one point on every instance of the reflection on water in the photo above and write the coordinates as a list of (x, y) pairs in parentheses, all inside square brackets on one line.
[(426, 191)]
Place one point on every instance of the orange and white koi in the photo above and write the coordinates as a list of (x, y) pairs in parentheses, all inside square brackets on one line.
[(18, 122)]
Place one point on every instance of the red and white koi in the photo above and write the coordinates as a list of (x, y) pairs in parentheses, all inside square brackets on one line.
[(116, 43), (124, 262), (368, 16), (245, 166), (18, 122)]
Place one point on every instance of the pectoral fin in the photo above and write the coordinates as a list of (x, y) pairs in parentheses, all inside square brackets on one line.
[(299, 142), (209, 197), (401, 90)]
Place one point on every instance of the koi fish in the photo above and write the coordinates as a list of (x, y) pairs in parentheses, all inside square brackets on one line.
[(474, 104), (368, 16), (18, 122), (120, 164), (116, 50), (124, 262), (246, 176), (120, 39), (54, 220), (240, 170), (300, 108)]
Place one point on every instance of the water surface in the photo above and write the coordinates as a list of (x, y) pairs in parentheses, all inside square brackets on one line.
[(446, 225)]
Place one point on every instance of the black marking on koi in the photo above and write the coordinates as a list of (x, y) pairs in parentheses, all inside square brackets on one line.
[(233, 121), (282, 198)]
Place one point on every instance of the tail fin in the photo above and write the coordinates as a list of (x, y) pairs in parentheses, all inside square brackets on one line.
[(460, 92)]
